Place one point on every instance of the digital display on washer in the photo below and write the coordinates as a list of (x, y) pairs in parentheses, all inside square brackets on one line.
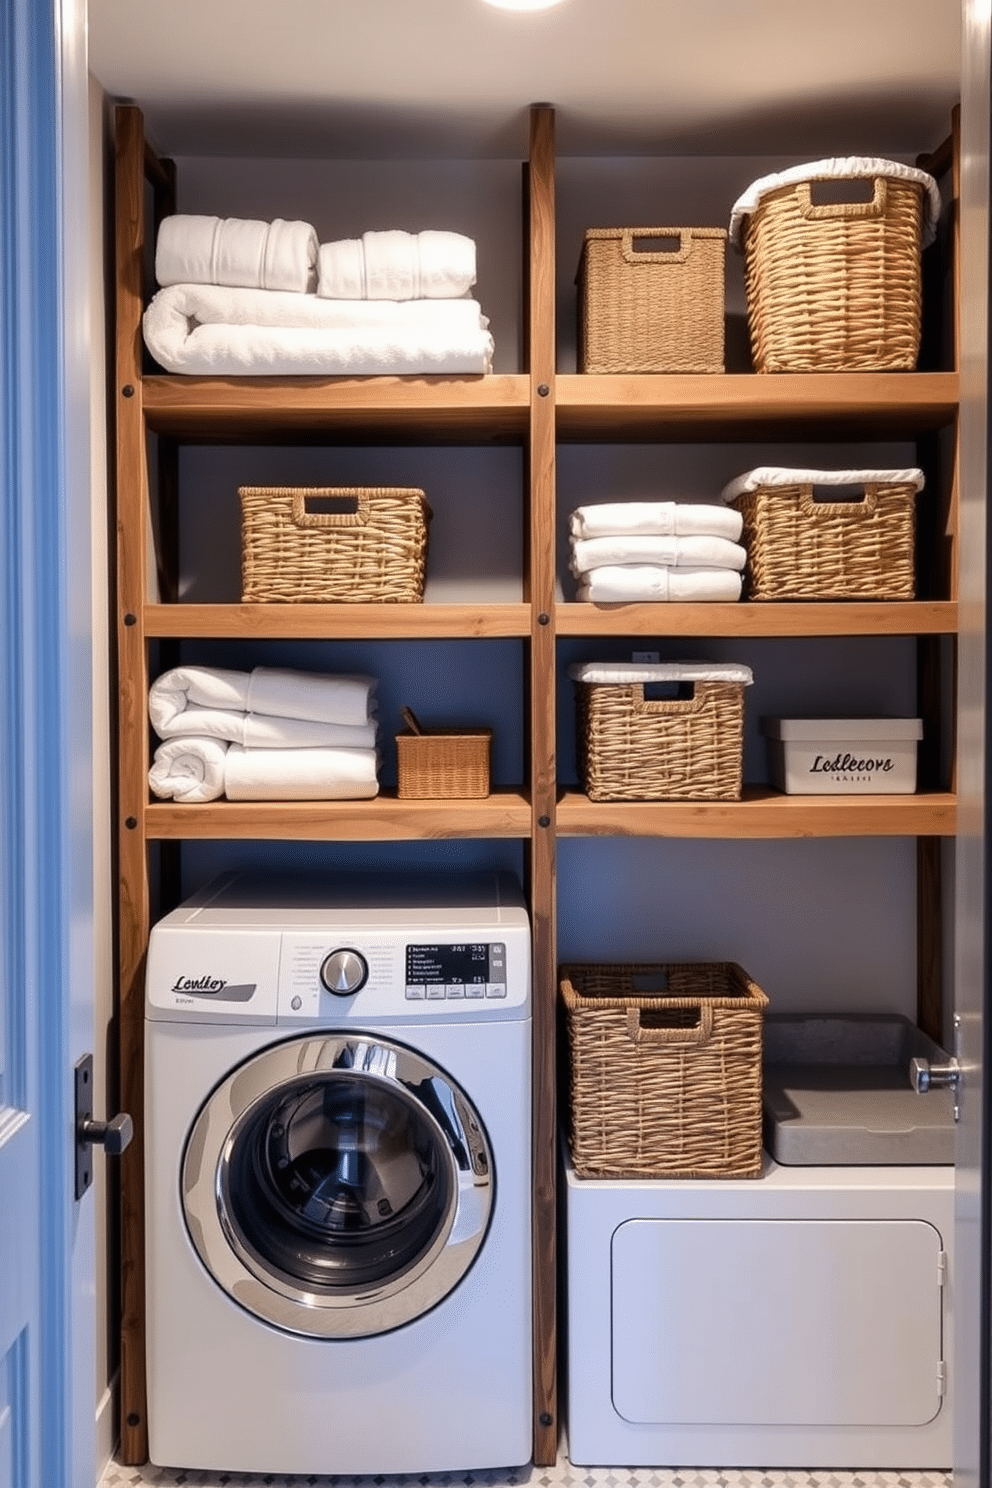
[(465, 963)]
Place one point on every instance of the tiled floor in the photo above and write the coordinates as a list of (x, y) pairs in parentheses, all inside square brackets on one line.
[(563, 1475)]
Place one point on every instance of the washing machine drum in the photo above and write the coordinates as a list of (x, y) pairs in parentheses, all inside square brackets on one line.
[(338, 1186)]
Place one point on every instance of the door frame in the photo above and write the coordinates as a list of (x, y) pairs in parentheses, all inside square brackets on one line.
[(971, 1376), (45, 752)]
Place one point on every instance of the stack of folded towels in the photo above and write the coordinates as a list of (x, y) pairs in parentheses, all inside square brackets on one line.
[(248, 298), (624, 552), (264, 735)]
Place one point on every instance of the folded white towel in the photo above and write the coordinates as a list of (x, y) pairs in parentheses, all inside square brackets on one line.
[(257, 731), (397, 265), (656, 519), (636, 583), (281, 696), (237, 252), (779, 475), (322, 696), (660, 671), (193, 769), (668, 552), (300, 774), (213, 330), (854, 167)]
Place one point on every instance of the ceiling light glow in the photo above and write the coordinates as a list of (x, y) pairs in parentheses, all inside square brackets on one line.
[(523, 4)]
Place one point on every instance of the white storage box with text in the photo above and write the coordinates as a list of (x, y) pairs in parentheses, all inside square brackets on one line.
[(843, 756)]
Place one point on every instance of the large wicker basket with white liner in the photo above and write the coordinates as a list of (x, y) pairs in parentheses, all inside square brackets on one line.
[(652, 310), (688, 745), (333, 544), (665, 1069), (804, 543), (835, 285)]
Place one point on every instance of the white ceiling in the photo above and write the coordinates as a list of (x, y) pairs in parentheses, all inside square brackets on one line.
[(368, 78)]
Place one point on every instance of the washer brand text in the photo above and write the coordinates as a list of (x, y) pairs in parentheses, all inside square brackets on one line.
[(199, 984)]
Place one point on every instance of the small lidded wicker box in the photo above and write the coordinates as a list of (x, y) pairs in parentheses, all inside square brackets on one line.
[(333, 544), (665, 1069), (828, 534), (686, 744), (652, 309)]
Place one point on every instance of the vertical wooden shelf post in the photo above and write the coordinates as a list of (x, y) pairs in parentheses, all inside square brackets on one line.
[(541, 468), (132, 691)]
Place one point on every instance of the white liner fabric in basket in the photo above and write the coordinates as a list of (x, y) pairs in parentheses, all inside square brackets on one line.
[(779, 475), (851, 167), (622, 672)]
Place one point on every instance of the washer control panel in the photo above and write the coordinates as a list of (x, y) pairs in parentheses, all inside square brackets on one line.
[(384, 976), (453, 972)]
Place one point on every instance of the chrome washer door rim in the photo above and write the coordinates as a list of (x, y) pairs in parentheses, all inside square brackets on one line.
[(392, 1073)]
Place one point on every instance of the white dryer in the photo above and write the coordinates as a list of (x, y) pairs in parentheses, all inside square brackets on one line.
[(338, 1174)]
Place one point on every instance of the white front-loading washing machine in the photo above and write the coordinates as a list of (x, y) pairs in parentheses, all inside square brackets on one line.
[(338, 1174)]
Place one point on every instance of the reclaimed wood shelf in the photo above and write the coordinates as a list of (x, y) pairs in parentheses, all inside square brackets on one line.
[(504, 813), (333, 622), (761, 812)]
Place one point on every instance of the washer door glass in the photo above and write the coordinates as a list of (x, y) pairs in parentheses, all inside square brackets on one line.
[(338, 1186)]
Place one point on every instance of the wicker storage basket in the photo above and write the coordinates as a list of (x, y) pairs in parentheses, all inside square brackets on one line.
[(665, 1070), (835, 287), (652, 311), (440, 764), (633, 747), (800, 547), (334, 544)]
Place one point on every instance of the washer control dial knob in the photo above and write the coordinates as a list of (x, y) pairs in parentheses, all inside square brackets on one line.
[(344, 971)]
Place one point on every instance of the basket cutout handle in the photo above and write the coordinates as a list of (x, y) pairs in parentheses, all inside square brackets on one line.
[(689, 697), (331, 508), (671, 1026), (815, 211), (633, 255), (864, 506)]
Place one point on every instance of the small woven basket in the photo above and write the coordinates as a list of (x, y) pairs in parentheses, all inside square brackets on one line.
[(665, 1070), (801, 548), (652, 311), (835, 287), (633, 748), (333, 544), (438, 764)]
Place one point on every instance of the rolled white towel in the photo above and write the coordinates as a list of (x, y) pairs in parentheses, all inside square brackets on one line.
[(396, 265), (636, 583), (188, 769), (238, 252), (212, 330), (656, 519), (341, 270), (300, 774), (277, 694), (667, 552)]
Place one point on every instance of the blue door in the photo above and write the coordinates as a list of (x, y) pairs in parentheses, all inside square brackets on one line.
[(47, 1388)]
